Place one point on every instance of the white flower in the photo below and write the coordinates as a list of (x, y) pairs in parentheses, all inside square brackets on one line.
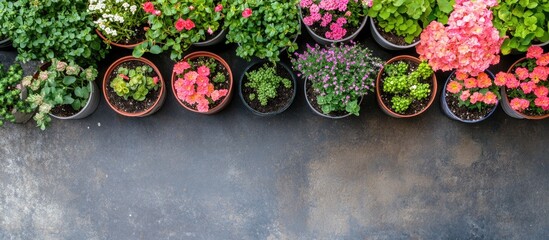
[(133, 8)]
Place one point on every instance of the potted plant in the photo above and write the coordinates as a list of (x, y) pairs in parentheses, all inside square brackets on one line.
[(119, 22), (13, 107), (525, 91), (4, 41), (522, 23), (331, 21), (469, 44), (62, 90), (267, 88), (405, 87), (397, 24), (176, 25), (202, 82), (62, 29), (263, 28), (337, 77), (133, 87)]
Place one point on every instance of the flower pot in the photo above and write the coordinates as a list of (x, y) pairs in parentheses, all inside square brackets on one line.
[(151, 106), (386, 109), (88, 109), (446, 109), (5, 43), (223, 102), (120, 45), (325, 41), (386, 44), (505, 105), (21, 117), (319, 112), (215, 40), (282, 69)]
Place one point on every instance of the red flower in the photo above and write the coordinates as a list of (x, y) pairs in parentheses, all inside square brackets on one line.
[(218, 8), (180, 24), (155, 80), (148, 7), (188, 24), (247, 13)]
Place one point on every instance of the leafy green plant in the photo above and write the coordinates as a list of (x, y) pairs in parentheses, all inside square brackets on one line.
[(262, 28), (265, 82), (60, 84), (135, 83), (523, 22), (405, 85), (10, 93), (43, 30), (407, 18), (118, 20), (176, 25)]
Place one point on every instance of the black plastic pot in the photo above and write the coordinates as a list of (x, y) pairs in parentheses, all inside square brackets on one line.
[(259, 64), (5, 43)]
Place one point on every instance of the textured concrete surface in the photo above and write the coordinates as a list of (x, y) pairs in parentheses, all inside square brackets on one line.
[(179, 175)]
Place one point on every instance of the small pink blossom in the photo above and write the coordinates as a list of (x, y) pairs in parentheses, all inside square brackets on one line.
[(247, 13), (218, 8), (522, 73), (180, 67), (476, 97), (203, 71), (465, 95), (541, 91), (534, 52)]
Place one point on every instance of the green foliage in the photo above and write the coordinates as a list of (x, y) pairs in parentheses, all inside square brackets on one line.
[(117, 20), (404, 86), (265, 82), (523, 21), (407, 18), (272, 27), (60, 84), (10, 93), (135, 83), (163, 35), (43, 30)]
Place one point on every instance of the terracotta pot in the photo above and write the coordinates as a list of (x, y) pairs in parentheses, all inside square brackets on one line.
[(290, 101), (127, 46), (227, 98), (450, 114), (507, 106), (325, 41), (157, 104), (387, 109), (386, 44)]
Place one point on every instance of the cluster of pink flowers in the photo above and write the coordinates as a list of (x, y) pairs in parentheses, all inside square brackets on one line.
[(527, 85), (194, 87), (469, 43), (181, 24), (149, 8), (332, 14), (470, 90)]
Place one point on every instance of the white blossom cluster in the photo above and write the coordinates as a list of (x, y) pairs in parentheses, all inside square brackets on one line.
[(111, 13)]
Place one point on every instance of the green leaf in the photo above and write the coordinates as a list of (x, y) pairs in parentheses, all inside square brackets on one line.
[(155, 49), (68, 80)]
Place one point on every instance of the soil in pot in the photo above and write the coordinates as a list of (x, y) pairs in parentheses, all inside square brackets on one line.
[(273, 105), (64, 110), (311, 96), (392, 37), (130, 105), (415, 106), (219, 68), (465, 113)]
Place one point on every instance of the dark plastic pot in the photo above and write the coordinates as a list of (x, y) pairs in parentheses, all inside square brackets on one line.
[(386, 44), (453, 116), (5, 43), (256, 112), (217, 39), (319, 112)]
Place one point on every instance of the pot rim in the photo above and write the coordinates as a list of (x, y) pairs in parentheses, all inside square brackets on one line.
[(127, 46)]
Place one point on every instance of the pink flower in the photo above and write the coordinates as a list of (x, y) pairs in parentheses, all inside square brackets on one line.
[(157, 12), (188, 24), (203, 71), (543, 60), (124, 76), (191, 76), (305, 3), (453, 87), (470, 83), (218, 94), (218, 8), (519, 104), (308, 21), (148, 7), (247, 13), (191, 7), (180, 24), (541, 91), (501, 79), (512, 81), (490, 98), (202, 80), (476, 97), (542, 102), (202, 89), (203, 104), (465, 95), (326, 19), (522, 73), (155, 80), (341, 21), (180, 67), (534, 52), (210, 31), (527, 87), (483, 80), (539, 74), (314, 8)]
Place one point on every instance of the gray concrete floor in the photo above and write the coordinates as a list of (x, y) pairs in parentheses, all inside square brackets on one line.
[(180, 175)]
